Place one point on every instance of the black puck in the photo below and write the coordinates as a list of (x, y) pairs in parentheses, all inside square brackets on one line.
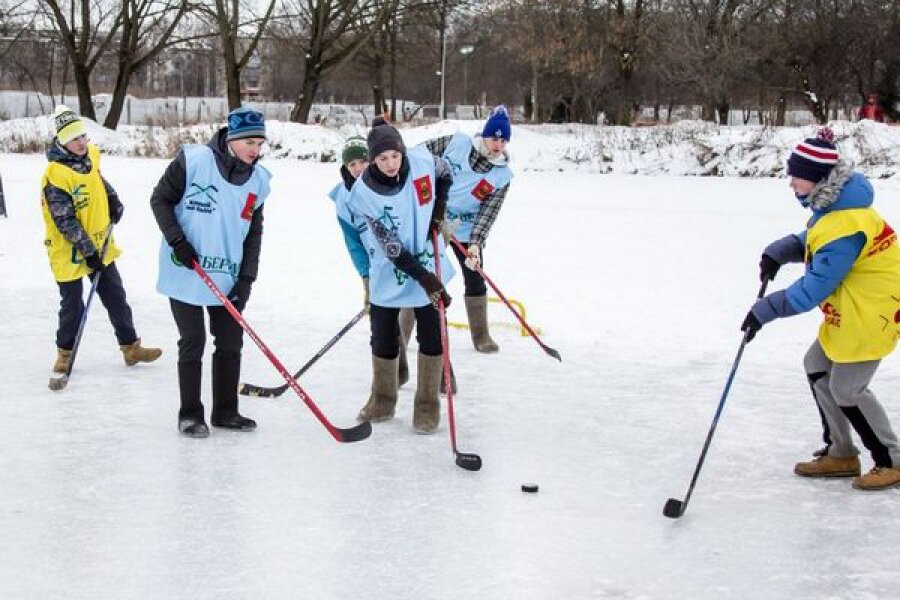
[(530, 488)]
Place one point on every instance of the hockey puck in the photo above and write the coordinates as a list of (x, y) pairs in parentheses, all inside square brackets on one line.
[(530, 488)]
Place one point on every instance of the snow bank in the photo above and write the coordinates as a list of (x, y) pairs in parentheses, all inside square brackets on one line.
[(685, 148)]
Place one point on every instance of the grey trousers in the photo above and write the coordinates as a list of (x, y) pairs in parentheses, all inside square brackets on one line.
[(842, 392)]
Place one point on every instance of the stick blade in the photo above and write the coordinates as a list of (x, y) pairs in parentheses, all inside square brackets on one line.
[(58, 383), (248, 389), (552, 352), (673, 508), (355, 434), (469, 462)]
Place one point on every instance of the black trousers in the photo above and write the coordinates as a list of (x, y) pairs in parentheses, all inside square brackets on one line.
[(386, 331), (228, 338), (474, 283), (112, 295)]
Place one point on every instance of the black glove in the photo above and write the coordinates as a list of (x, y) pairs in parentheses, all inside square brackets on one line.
[(437, 215), (435, 289), (185, 253), (768, 268), (240, 293), (94, 262), (750, 325), (115, 211)]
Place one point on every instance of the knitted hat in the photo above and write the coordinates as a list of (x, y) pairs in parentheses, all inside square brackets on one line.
[(68, 125), (245, 122), (382, 137), (354, 149), (814, 158), (497, 125)]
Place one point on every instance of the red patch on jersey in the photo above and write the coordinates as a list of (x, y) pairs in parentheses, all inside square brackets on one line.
[(247, 213), (482, 190), (423, 189), (883, 240)]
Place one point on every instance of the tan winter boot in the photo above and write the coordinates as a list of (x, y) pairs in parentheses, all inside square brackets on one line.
[(427, 408), (407, 322), (383, 399), (62, 360), (879, 478), (476, 308), (134, 353), (828, 466)]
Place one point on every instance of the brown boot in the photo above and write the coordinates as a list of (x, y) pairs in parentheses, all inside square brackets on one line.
[(476, 308), (134, 353), (62, 360), (828, 466), (879, 478), (427, 409), (383, 399)]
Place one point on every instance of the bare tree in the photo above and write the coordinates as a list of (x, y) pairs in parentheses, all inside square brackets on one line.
[(85, 34), (329, 33), (240, 30)]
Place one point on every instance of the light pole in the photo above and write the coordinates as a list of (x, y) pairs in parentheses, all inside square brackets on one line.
[(466, 50), (443, 67)]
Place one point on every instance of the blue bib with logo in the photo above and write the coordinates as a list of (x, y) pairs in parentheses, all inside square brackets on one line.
[(407, 214), (215, 216), (469, 188)]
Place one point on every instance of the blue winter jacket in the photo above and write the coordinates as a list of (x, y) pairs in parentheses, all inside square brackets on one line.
[(828, 266)]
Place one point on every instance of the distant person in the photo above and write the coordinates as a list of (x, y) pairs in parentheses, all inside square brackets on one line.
[(481, 180), (871, 110), (355, 160), (209, 206), (78, 206), (401, 197), (853, 276)]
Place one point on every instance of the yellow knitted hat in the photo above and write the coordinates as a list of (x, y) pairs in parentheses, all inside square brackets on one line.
[(68, 125)]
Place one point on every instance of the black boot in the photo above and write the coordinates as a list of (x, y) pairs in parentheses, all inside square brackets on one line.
[(226, 373), (190, 415)]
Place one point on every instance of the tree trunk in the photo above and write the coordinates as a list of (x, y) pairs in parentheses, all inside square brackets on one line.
[(118, 98), (303, 103), (780, 111), (233, 86), (723, 110), (535, 108), (83, 85)]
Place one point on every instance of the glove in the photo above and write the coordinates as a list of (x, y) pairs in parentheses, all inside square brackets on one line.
[(115, 212), (240, 293), (768, 268), (435, 289), (750, 326), (94, 262), (365, 281), (474, 260), (185, 253)]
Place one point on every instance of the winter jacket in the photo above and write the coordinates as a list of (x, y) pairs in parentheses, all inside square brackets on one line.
[(75, 196), (852, 270), (170, 190), (351, 227)]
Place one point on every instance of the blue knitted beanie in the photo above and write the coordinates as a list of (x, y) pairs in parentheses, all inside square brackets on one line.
[(245, 122)]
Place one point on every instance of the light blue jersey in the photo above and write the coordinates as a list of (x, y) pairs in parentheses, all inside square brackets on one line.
[(352, 227), (469, 188), (407, 215), (215, 216)]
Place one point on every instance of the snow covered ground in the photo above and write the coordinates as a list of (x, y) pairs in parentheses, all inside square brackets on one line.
[(640, 282)]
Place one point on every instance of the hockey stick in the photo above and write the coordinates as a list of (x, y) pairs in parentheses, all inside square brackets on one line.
[(675, 508), (551, 351), (353, 434), (470, 462), (248, 389), (58, 383)]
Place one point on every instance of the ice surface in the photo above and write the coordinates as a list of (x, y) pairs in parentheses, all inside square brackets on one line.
[(640, 283)]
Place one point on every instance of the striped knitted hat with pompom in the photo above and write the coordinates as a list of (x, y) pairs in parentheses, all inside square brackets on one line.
[(814, 158)]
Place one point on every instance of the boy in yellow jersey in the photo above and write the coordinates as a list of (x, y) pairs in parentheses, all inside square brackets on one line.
[(78, 205), (853, 275)]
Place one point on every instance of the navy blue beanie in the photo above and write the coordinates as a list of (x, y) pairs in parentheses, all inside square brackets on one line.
[(497, 125), (814, 158), (245, 122)]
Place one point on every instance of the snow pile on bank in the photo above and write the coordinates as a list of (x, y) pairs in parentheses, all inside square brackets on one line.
[(684, 148)]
